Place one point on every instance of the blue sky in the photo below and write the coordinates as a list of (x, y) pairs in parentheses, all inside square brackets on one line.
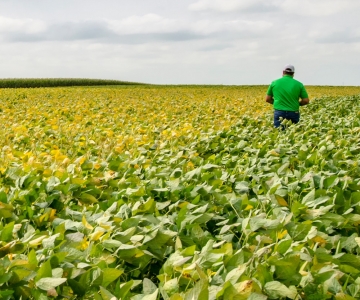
[(182, 42)]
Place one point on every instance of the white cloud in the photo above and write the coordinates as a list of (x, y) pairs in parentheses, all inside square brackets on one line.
[(188, 41), (236, 25), (319, 7), (148, 23), (156, 24), (231, 5), (221, 5), (21, 25), (337, 36), (298, 7)]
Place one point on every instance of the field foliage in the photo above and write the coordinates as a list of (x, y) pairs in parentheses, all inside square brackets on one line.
[(58, 82), (177, 193)]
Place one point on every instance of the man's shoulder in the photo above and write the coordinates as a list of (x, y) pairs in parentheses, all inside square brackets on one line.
[(298, 82), (276, 80), (285, 80)]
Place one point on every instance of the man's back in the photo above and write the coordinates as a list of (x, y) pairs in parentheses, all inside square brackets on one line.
[(286, 92)]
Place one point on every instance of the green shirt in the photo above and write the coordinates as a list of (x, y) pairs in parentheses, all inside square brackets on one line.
[(286, 92)]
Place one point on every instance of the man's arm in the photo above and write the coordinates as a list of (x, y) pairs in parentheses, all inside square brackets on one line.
[(269, 99), (304, 101)]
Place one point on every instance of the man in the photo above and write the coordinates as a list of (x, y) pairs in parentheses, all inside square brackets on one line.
[(284, 93)]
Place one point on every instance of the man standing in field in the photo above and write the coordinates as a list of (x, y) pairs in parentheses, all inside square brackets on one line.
[(284, 93)]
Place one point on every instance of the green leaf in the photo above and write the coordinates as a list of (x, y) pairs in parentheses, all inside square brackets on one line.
[(330, 181), (199, 291), (4, 278), (128, 251), (48, 283), (332, 285), (283, 246), (147, 207), (350, 259), (44, 271), (57, 258), (355, 197), (152, 296), (24, 291), (49, 243), (88, 199), (256, 296), (342, 296), (310, 197), (277, 290), (7, 232), (32, 258), (210, 167), (3, 197), (158, 238), (96, 276), (256, 223), (20, 274), (181, 216), (334, 218), (234, 275), (110, 275), (106, 295), (52, 183), (57, 272), (148, 286), (6, 210), (171, 286), (77, 287), (298, 232), (125, 289), (201, 288), (5, 294)]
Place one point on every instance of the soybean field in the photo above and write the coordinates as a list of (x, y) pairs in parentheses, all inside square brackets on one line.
[(178, 192)]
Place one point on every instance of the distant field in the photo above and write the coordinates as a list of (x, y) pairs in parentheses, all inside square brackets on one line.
[(124, 117), (58, 82), (177, 192)]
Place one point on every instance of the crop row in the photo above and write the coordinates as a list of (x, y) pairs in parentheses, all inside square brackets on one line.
[(58, 82)]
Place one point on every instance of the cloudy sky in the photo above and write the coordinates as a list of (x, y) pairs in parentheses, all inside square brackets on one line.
[(182, 41)]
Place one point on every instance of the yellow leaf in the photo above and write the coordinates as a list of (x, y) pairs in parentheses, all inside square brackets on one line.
[(105, 226), (117, 219), (80, 160), (37, 241), (274, 153), (139, 254), (281, 200), (86, 224), (59, 173), (78, 181), (66, 161), (248, 207), (84, 244), (47, 173), (96, 235), (281, 234), (319, 240), (181, 205), (119, 148), (190, 165), (52, 215), (244, 287)]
